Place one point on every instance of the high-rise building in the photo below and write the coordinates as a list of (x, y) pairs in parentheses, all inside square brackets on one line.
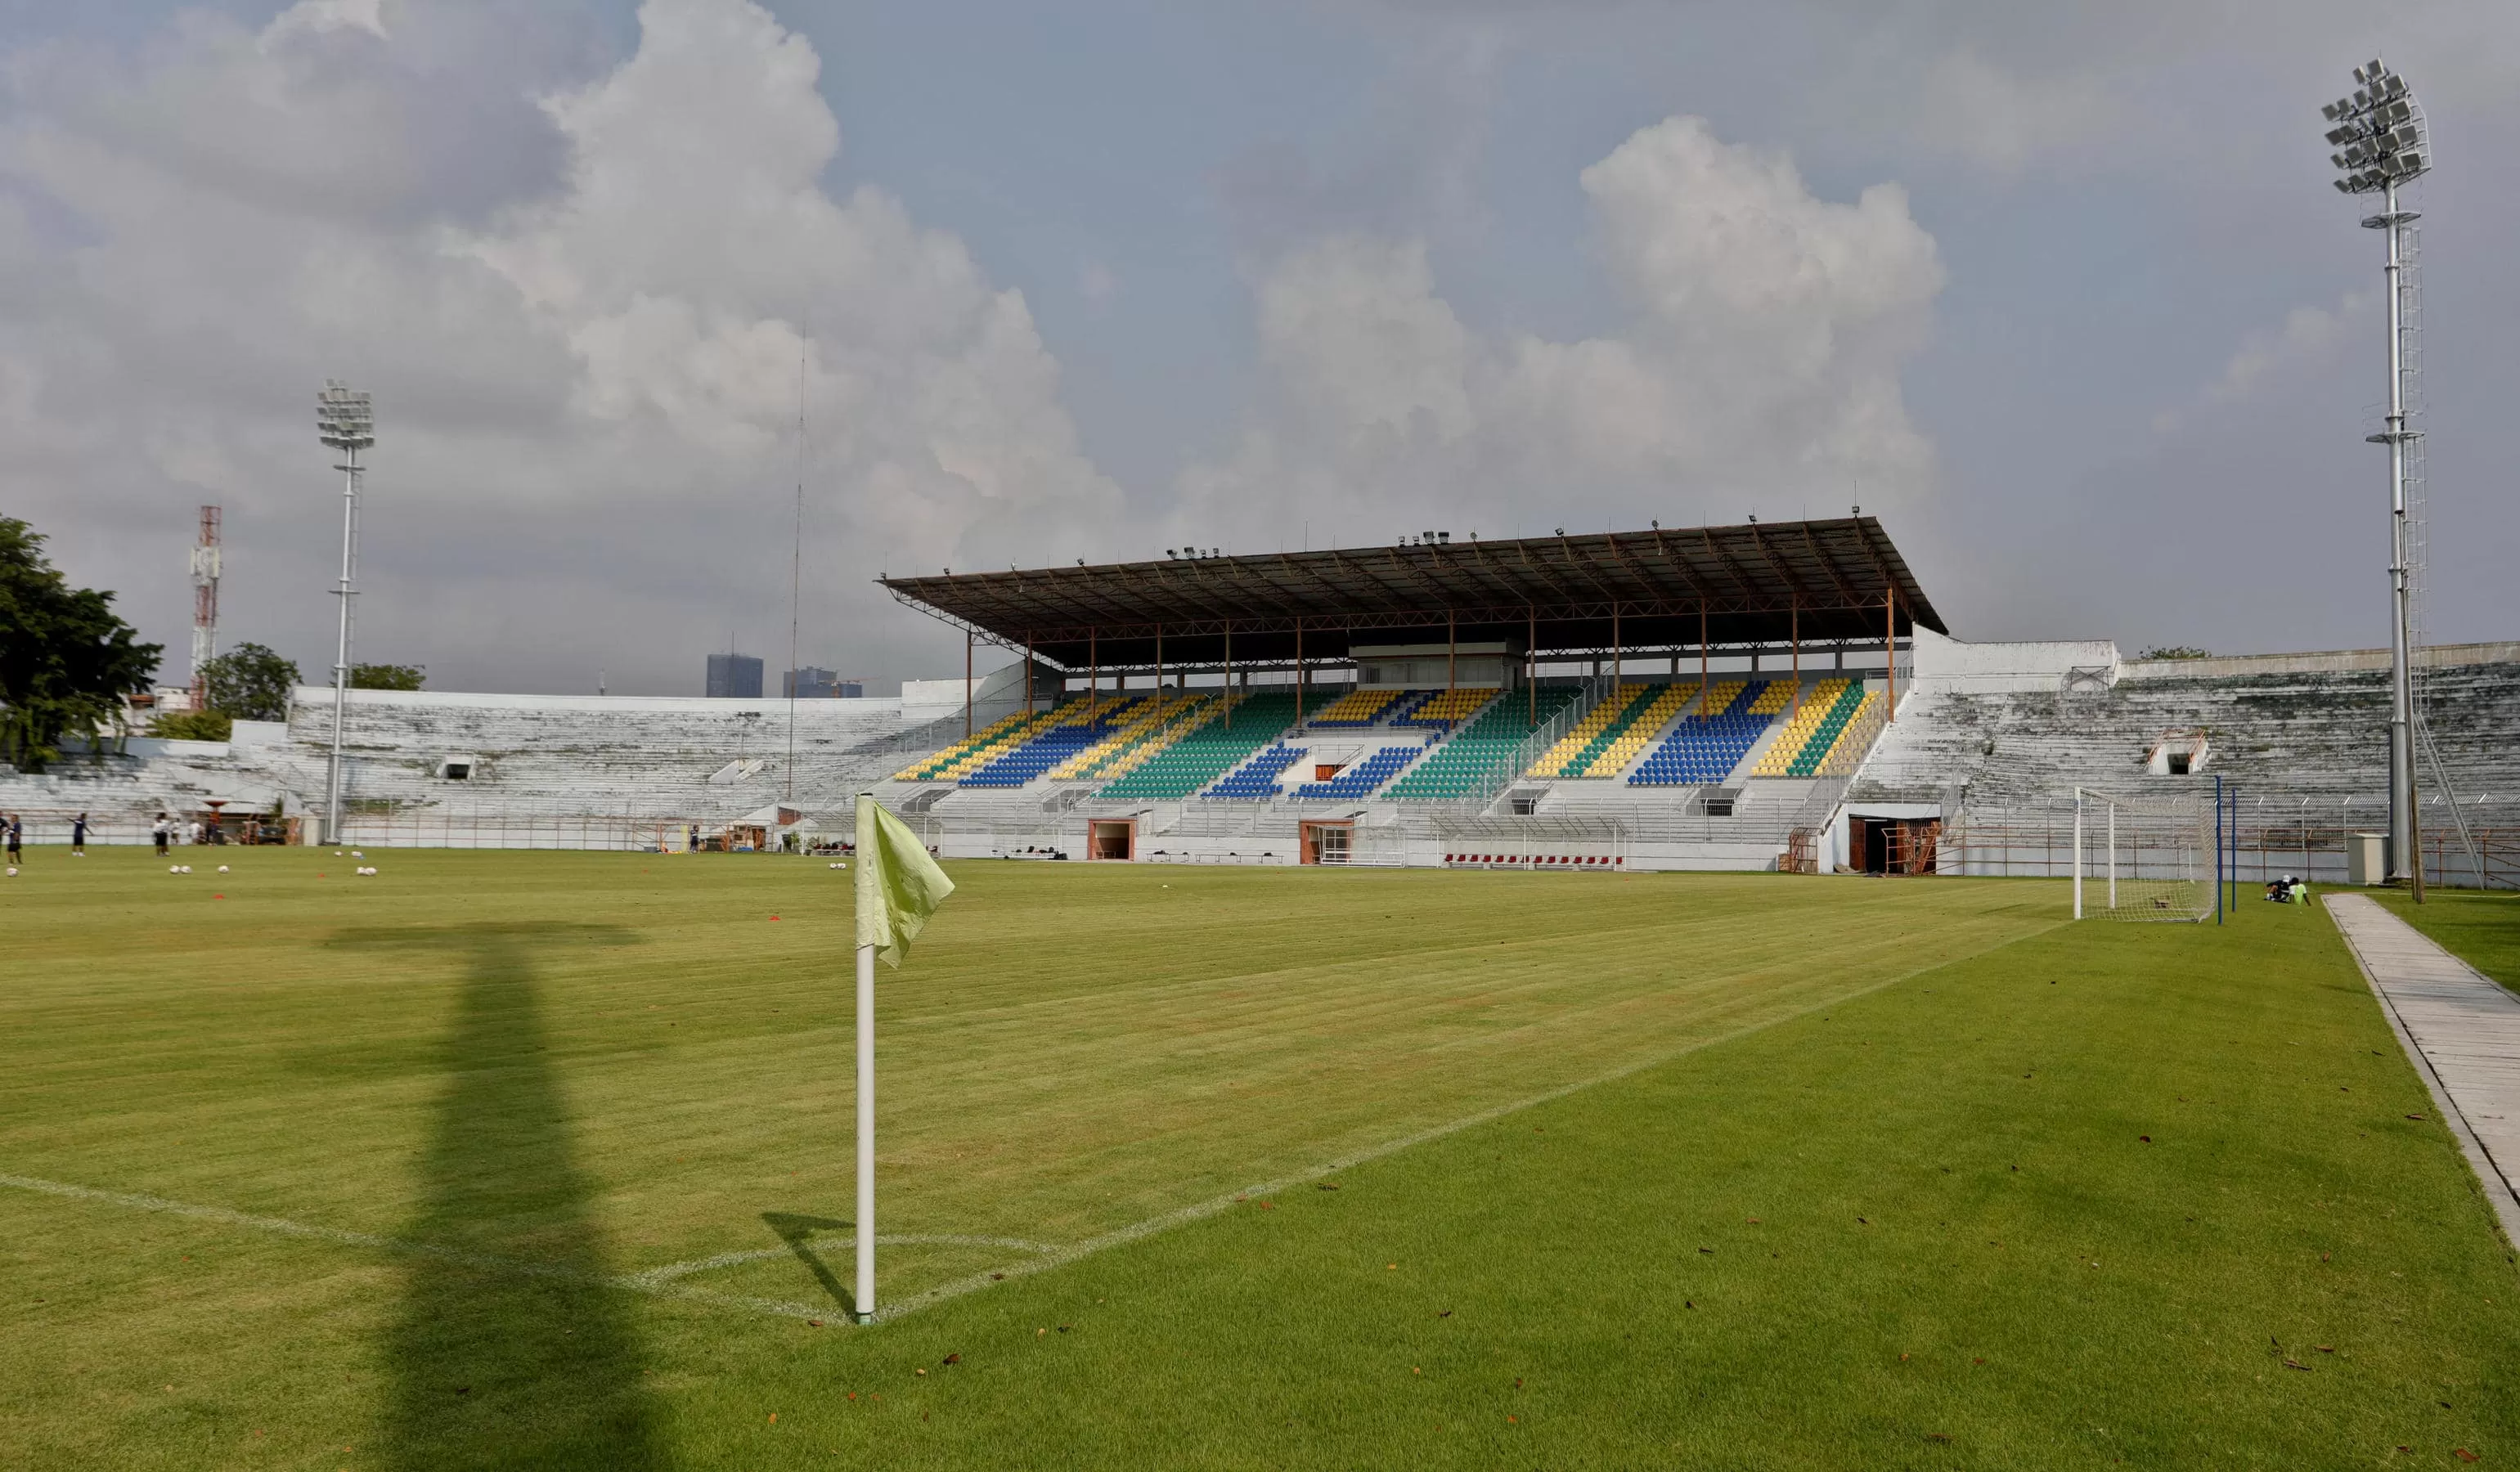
[(734, 677), (811, 684)]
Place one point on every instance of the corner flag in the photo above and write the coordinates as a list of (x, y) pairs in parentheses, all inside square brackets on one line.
[(898, 887)]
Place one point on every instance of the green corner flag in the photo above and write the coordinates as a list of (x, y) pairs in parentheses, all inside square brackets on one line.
[(899, 886)]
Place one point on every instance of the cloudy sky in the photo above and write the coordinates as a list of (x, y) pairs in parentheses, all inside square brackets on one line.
[(2059, 290)]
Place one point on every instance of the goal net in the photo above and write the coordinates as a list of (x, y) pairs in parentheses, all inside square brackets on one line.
[(2142, 857)]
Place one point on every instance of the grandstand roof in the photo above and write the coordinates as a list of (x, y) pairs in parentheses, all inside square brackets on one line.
[(1757, 583)]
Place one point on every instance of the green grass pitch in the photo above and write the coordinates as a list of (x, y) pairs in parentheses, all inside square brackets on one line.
[(544, 1160)]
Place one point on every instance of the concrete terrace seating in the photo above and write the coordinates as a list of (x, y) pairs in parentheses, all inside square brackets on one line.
[(526, 759), (1464, 765), (1258, 777), (2314, 740), (1202, 755), (1361, 778)]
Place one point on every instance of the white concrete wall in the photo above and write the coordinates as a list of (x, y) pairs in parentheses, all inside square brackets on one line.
[(1950, 664)]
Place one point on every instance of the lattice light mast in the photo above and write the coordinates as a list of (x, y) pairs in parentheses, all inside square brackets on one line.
[(2382, 142), (346, 421), (205, 606)]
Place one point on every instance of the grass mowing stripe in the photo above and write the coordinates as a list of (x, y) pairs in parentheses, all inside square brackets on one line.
[(1183, 1216)]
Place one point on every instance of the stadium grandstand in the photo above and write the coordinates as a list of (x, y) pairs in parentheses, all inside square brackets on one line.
[(1766, 695)]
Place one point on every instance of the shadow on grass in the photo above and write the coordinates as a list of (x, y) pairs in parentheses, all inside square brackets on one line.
[(798, 1232), (491, 1369)]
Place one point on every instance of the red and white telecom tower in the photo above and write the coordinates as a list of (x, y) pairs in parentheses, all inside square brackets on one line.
[(205, 604)]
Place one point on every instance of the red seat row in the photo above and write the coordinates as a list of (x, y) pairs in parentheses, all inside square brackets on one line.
[(1538, 860)]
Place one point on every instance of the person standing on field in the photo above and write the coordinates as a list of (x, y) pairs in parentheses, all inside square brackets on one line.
[(79, 836), (161, 831), (17, 835)]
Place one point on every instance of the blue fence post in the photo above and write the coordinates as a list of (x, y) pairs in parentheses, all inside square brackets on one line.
[(2218, 849)]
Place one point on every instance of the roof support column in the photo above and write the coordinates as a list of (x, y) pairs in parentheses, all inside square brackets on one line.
[(967, 684), (1094, 669), (1028, 674), (1797, 637), (1531, 665), (1452, 651), (1618, 650), (1890, 647), (1703, 677), (1300, 674), (1228, 675), (1160, 667)]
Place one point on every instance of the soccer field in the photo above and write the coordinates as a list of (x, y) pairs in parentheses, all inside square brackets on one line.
[(543, 1159)]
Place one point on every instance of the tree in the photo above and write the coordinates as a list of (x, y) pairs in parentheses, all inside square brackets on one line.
[(67, 660), (388, 676), (251, 683), (2176, 651), (194, 726)]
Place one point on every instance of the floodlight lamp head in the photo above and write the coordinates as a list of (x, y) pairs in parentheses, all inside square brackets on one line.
[(345, 419)]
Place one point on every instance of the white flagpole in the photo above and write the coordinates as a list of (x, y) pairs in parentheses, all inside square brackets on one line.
[(2078, 853), (866, 1129), (866, 895), (2114, 856)]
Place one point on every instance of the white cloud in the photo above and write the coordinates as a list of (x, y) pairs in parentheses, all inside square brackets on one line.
[(2310, 339), (585, 325), (1760, 367)]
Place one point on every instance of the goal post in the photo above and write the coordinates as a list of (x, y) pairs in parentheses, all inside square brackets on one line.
[(2143, 858)]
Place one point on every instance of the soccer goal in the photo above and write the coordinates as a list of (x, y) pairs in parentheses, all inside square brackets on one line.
[(2148, 858)]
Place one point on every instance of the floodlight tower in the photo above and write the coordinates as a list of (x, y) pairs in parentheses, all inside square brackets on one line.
[(205, 604), (2382, 141), (346, 421)]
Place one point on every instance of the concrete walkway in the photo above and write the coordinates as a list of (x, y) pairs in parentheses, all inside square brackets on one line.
[(2461, 1029)]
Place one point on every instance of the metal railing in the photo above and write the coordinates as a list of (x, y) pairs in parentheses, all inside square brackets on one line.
[(2041, 845), (1489, 781)]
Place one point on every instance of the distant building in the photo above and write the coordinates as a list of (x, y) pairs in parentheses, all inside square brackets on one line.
[(734, 677), (811, 684)]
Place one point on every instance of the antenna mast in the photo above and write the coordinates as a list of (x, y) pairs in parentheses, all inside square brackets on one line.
[(796, 564), (205, 606)]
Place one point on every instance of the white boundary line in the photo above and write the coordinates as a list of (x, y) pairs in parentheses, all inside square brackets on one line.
[(665, 1281), (481, 1261)]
